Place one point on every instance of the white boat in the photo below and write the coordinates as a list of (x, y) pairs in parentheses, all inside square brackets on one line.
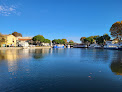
[(95, 46), (111, 46), (92, 45)]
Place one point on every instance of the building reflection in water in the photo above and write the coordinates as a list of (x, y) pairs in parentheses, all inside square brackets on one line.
[(11, 56), (14, 56), (116, 64)]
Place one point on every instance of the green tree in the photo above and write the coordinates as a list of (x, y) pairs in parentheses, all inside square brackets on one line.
[(71, 41), (88, 40), (58, 41), (106, 37), (16, 34), (54, 41), (65, 40), (116, 30), (82, 39), (95, 37), (46, 41), (100, 40), (39, 38)]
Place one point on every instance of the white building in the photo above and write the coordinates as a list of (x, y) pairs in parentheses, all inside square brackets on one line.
[(45, 44), (23, 41)]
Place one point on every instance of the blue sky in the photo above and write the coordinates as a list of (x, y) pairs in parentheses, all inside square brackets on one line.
[(57, 19)]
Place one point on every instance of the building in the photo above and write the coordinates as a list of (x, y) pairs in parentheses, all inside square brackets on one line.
[(22, 41), (7, 41), (45, 44)]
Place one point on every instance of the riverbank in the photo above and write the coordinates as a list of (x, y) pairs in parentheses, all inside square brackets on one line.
[(41, 47)]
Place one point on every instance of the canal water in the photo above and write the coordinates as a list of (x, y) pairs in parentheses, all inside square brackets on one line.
[(61, 70)]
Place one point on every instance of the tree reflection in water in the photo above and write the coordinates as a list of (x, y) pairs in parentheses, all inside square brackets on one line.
[(96, 55), (40, 53), (116, 65)]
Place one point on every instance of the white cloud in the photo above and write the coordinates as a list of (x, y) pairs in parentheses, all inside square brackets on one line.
[(7, 10)]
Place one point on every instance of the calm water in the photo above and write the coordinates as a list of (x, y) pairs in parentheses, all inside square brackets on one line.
[(61, 70)]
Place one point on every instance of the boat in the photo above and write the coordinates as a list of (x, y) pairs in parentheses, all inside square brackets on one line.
[(111, 46), (120, 46), (96, 46), (58, 46), (92, 46)]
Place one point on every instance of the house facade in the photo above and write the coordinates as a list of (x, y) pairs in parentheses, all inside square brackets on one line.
[(22, 41), (8, 41)]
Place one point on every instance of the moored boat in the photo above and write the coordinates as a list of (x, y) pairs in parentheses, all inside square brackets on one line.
[(111, 46), (120, 46), (96, 46), (58, 46)]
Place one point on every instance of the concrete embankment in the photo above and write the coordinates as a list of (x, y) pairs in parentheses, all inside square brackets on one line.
[(41, 47)]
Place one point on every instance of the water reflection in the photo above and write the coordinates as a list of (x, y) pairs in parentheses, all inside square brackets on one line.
[(10, 55), (49, 69), (14, 55), (96, 55), (116, 65), (40, 53)]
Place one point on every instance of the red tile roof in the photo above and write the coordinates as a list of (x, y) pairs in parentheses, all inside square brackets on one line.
[(24, 39)]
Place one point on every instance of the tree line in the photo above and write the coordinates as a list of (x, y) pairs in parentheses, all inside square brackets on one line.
[(62, 41), (95, 39), (40, 39), (115, 31)]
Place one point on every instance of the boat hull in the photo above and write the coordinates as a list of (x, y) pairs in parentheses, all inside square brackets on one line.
[(120, 48), (111, 48), (58, 46)]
